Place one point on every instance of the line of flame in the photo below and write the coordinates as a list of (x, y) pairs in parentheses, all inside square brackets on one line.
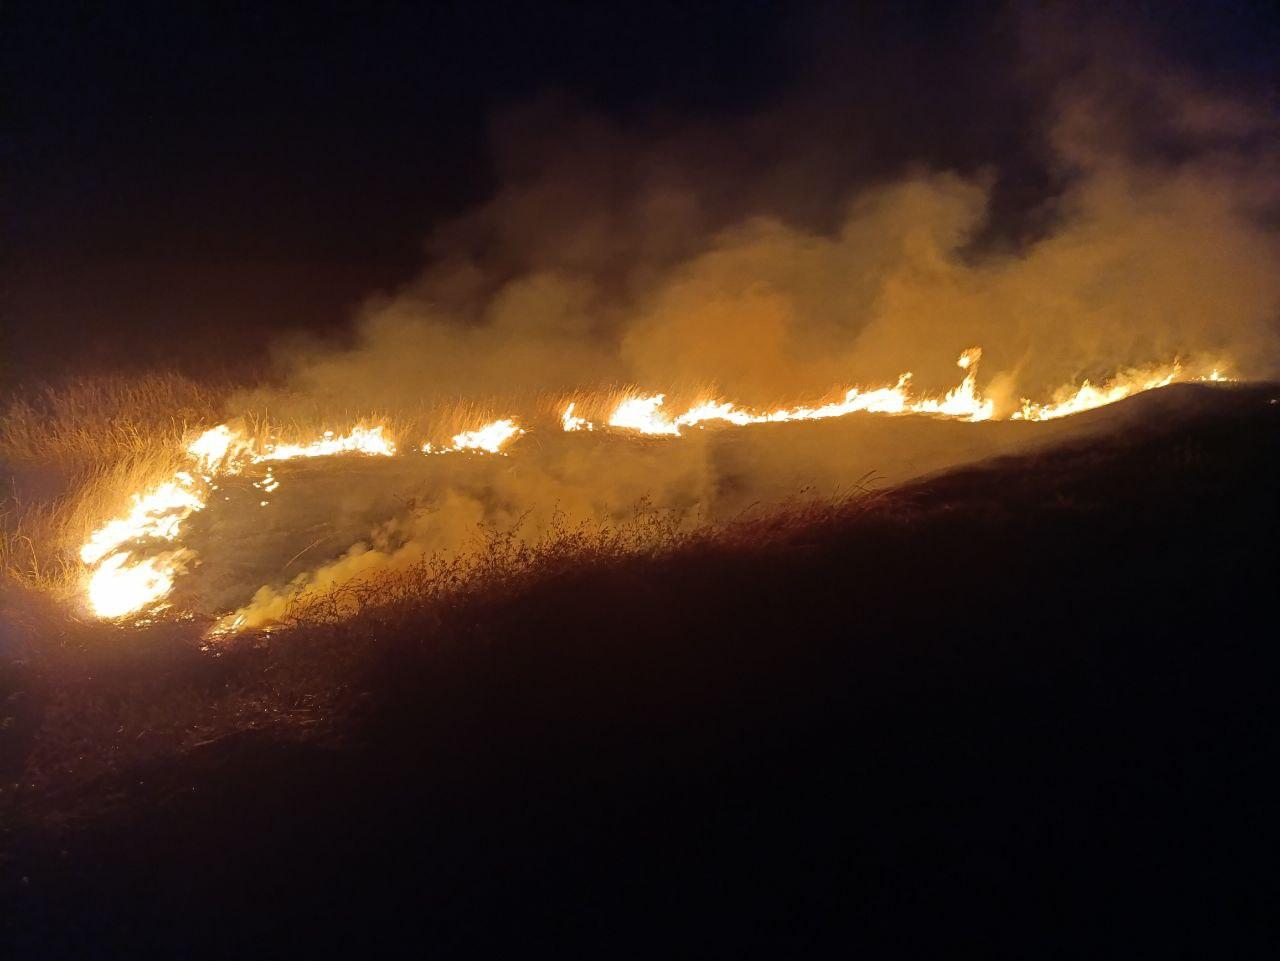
[(490, 438), (644, 413), (1087, 396), (123, 579)]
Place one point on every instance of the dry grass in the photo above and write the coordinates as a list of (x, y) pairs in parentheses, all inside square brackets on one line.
[(73, 454), (495, 561), (88, 422)]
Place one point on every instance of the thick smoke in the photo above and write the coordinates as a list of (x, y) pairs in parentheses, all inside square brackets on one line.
[(739, 260)]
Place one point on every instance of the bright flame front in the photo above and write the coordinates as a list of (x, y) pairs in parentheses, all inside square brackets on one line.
[(644, 413), (490, 438), (122, 579), (133, 560), (1087, 396)]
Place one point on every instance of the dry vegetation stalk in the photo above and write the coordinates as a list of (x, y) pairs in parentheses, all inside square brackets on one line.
[(72, 455)]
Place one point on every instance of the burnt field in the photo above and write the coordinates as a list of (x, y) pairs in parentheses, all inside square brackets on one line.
[(1023, 707)]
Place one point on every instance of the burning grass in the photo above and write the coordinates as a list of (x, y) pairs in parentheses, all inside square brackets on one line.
[(996, 646), (115, 459), (111, 694), (71, 456)]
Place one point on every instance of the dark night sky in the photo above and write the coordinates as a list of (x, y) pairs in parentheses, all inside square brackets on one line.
[(230, 170)]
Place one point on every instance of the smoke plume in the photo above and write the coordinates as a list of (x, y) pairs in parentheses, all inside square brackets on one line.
[(740, 259)]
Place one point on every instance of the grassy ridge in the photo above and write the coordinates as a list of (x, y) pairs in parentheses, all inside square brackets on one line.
[(1021, 707)]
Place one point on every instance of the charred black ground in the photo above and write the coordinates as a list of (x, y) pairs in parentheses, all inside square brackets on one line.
[(1024, 708)]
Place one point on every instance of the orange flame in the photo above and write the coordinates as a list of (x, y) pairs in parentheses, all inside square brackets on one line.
[(126, 573), (1087, 396), (122, 579), (644, 413), (488, 439)]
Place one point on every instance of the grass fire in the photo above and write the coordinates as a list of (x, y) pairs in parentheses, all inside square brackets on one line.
[(640, 480), (130, 562)]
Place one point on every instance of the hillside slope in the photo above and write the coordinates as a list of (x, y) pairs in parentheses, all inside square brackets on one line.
[(1024, 708)]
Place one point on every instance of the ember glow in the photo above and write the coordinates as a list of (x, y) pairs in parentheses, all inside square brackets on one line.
[(133, 560)]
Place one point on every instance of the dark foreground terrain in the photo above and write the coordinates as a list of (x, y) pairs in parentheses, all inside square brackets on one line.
[(1025, 709)]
